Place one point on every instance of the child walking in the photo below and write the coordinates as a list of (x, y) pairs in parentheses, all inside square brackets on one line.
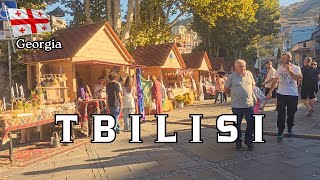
[(260, 100)]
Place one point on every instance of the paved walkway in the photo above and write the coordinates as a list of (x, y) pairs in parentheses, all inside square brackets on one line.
[(306, 127), (293, 158)]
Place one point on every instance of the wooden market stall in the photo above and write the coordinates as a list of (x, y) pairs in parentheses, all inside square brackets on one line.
[(200, 65), (162, 61), (89, 52), (165, 62)]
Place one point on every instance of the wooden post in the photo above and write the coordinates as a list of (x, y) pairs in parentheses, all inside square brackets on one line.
[(39, 74), (10, 148), (71, 80), (29, 78)]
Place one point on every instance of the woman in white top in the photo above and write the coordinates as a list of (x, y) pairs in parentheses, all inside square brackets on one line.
[(128, 103)]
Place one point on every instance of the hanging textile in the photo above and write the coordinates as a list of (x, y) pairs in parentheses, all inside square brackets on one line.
[(140, 94), (146, 88)]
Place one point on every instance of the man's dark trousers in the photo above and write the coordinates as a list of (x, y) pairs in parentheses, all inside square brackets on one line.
[(247, 112), (286, 105)]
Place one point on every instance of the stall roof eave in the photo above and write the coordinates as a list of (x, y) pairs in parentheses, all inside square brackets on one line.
[(46, 61), (158, 55), (99, 62), (197, 60)]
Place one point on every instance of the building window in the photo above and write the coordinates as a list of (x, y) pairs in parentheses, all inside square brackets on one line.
[(304, 44)]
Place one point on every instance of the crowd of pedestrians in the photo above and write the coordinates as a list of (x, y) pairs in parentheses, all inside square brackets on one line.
[(285, 84)]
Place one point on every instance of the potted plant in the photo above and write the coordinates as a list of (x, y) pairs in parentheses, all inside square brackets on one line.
[(180, 99)]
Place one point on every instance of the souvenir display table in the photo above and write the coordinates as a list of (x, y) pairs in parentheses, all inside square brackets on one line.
[(17, 120)]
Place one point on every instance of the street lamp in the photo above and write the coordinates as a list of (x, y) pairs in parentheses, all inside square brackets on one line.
[(57, 12)]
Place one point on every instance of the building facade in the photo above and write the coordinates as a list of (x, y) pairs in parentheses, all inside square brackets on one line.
[(185, 38), (296, 35)]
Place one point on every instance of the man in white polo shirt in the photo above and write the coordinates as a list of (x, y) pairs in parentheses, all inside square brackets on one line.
[(269, 78), (288, 75)]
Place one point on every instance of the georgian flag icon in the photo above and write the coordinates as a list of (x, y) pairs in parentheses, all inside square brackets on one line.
[(28, 21)]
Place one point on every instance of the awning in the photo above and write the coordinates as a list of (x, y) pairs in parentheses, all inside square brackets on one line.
[(96, 62)]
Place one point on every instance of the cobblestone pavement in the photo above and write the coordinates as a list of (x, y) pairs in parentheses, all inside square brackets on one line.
[(293, 158)]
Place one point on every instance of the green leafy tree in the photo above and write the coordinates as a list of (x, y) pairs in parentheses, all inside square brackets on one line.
[(233, 32)]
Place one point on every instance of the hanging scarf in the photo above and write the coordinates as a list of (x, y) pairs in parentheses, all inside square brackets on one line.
[(140, 94)]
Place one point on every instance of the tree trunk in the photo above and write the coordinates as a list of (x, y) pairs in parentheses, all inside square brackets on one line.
[(117, 17), (87, 11), (137, 14), (217, 51), (126, 32), (209, 43), (235, 53), (109, 12)]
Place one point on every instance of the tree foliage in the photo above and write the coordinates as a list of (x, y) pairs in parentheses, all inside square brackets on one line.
[(243, 24)]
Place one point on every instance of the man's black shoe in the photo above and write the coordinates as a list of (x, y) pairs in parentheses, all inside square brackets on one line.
[(290, 133), (239, 146), (280, 136), (250, 145)]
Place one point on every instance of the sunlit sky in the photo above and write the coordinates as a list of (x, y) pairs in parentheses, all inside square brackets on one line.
[(68, 18)]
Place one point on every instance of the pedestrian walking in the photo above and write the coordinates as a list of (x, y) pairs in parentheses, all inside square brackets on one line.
[(240, 85), (271, 72), (156, 91), (288, 76), (114, 99), (315, 66), (129, 95), (220, 83), (309, 82), (225, 96), (259, 99)]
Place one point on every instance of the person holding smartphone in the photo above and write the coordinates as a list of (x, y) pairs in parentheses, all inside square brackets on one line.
[(288, 75)]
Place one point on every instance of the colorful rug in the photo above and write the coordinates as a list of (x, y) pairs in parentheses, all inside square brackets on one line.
[(36, 152)]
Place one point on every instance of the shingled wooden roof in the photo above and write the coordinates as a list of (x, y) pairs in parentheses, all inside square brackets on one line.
[(194, 60), (75, 38), (226, 65), (156, 55)]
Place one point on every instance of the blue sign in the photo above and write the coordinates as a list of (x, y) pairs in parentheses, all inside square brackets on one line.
[(9, 4)]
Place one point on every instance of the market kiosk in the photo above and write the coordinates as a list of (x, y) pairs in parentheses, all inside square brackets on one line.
[(202, 72), (55, 77), (166, 63)]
